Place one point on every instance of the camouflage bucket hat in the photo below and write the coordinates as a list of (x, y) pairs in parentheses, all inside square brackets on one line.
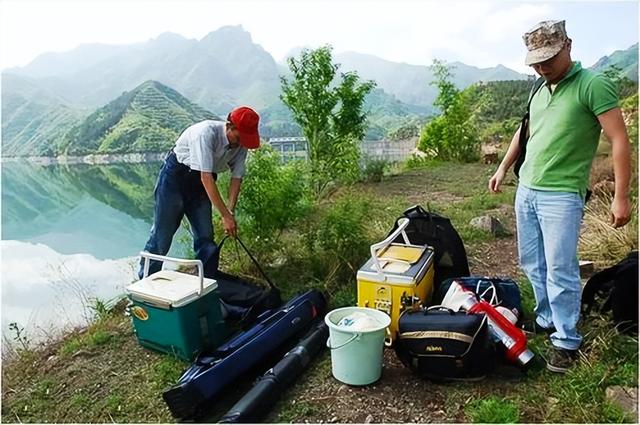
[(544, 41)]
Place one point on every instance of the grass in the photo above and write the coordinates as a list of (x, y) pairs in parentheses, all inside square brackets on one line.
[(599, 241), (493, 410), (101, 374)]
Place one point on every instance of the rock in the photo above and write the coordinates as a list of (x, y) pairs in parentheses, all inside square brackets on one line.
[(488, 224), (369, 419), (624, 397), (333, 420), (490, 158)]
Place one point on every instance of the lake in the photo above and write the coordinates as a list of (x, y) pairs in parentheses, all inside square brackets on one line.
[(71, 234)]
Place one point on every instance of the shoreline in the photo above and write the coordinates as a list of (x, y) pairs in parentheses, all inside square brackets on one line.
[(94, 159)]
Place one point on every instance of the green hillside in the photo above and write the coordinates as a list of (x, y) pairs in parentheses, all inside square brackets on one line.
[(149, 118), (34, 120), (626, 60)]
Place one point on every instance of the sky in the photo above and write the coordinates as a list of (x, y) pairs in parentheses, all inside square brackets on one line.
[(482, 34)]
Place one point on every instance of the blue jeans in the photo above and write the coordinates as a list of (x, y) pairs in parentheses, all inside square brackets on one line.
[(180, 192), (548, 226)]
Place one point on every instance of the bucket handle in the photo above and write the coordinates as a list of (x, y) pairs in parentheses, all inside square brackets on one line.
[(353, 338), (388, 341)]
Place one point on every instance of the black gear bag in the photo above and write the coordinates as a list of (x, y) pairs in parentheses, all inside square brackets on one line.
[(615, 289), (428, 228), (442, 345)]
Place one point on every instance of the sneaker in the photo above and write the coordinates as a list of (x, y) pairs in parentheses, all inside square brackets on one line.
[(532, 327), (560, 360)]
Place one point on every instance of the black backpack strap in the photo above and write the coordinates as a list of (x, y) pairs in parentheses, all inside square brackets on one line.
[(524, 128), (271, 285)]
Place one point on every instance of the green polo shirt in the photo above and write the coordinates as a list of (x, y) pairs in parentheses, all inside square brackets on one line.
[(564, 131)]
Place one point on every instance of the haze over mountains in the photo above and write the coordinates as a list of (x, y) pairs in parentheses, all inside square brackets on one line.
[(222, 69), (44, 99)]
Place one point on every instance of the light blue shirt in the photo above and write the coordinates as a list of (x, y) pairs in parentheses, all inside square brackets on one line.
[(204, 147)]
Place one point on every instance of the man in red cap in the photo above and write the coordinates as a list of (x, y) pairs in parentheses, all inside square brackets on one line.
[(187, 183)]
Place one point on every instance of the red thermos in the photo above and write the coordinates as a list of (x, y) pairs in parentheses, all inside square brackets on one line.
[(513, 338)]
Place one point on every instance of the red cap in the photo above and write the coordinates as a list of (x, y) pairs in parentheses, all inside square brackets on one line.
[(246, 121)]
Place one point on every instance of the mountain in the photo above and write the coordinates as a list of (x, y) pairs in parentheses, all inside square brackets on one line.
[(218, 72), (34, 119), (149, 118), (626, 60), (411, 83)]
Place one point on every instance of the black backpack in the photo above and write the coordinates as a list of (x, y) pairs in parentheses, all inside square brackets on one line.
[(524, 129), (427, 228), (615, 289), (243, 299)]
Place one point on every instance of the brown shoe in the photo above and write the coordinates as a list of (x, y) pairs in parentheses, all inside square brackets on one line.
[(561, 360)]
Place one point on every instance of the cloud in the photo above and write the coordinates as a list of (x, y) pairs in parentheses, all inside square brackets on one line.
[(47, 291)]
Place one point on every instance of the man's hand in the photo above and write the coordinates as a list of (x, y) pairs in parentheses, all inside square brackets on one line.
[(620, 211), (229, 225), (496, 180)]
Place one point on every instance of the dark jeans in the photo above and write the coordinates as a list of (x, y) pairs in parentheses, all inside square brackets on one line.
[(180, 192)]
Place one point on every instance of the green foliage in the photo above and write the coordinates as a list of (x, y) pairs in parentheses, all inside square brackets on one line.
[(629, 107), (149, 118), (447, 91), (626, 86), (331, 117), (417, 162), (273, 196), (493, 410), (99, 309), (166, 371), (337, 241), (451, 136), (342, 230), (374, 169)]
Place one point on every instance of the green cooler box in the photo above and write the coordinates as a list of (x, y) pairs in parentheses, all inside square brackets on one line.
[(176, 313)]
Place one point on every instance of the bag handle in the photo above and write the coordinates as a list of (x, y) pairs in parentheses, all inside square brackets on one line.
[(439, 307), (237, 239)]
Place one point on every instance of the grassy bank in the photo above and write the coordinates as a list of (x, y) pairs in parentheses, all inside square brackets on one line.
[(101, 374)]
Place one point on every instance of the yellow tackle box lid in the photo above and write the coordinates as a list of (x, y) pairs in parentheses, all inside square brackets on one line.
[(399, 266), (170, 288), (401, 253)]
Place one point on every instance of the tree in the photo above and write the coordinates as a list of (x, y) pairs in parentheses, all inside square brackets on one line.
[(626, 86), (452, 135), (332, 117)]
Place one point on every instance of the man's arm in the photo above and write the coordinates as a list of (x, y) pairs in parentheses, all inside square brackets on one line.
[(509, 158), (613, 126), (228, 222), (234, 191)]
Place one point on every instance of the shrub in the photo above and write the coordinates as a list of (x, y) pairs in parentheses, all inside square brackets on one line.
[(337, 240), (273, 196), (374, 169)]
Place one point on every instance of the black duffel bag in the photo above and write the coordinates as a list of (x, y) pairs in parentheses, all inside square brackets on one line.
[(494, 290), (244, 300), (442, 345)]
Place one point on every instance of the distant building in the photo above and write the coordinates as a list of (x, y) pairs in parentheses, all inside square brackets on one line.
[(290, 148)]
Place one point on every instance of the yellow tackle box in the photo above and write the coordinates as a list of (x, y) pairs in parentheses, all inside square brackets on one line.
[(396, 277)]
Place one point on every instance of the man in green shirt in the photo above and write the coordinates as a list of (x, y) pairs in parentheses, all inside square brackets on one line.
[(567, 114)]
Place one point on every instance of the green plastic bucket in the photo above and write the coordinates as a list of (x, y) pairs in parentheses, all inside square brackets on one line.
[(356, 356)]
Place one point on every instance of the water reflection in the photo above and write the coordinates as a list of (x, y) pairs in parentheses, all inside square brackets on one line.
[(70, 234)]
